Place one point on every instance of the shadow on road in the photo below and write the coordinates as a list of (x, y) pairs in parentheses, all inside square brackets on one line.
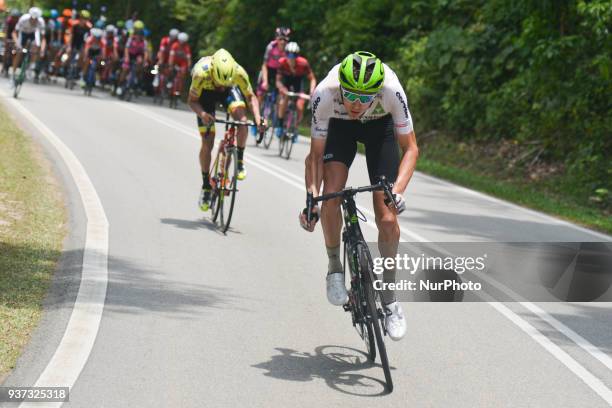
[(134, 286), (197, 225), (491, 228), (335, 365)]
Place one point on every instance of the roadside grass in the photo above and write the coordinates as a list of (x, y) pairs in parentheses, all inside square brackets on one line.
[(527, 195), (494, 170), (32, 228)]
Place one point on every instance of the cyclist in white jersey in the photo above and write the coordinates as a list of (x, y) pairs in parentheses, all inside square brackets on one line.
[(30, 28), (360, 100)]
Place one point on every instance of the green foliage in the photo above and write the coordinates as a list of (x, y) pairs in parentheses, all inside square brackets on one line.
[(523, 70)]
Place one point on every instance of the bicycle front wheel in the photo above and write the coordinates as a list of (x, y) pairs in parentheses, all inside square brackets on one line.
[(228, 189), (359, 306), (270, 119), (375, 310)]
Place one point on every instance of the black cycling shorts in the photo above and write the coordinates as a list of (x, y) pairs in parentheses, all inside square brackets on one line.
[(94, 52), (378, 137), (230, 98), (293, 83), (271, 78), (25, 37)]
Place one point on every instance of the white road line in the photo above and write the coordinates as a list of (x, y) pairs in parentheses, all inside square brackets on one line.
[(547, 217), (589, 379), (75, 347), (583, 343)]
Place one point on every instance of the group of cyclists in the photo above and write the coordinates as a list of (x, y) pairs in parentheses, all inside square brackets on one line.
[(70, 44), (360, 100)]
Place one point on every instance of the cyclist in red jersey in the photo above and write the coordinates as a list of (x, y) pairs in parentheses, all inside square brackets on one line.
[(110, 48), (166, 43), (135, 53), (110, 53), (9, 27), (274, 51), (290, 77), (180, 55), (93, 49)]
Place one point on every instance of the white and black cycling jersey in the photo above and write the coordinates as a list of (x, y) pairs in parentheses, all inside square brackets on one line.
[(326, 103), (28, 26)]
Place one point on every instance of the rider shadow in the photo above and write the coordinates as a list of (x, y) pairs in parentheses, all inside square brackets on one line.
[(202, 223), (335, 365)]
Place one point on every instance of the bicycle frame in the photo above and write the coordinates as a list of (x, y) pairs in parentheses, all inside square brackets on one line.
[(227, 144)]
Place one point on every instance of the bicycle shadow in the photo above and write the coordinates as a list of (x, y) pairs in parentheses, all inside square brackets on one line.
[(333, 364), (202, 223)]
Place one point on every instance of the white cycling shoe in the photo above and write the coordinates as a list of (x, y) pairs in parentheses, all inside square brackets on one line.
[(395, 321), (336, 291)]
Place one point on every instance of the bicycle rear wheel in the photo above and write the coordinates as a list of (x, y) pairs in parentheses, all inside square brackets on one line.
[(228, 189), (290, 133), (375, 310)]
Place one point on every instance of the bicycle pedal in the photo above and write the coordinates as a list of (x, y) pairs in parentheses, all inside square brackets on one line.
[(346, 307)]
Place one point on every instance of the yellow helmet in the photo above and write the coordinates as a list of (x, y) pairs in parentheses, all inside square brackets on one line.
[(138, 25), (223, 67)]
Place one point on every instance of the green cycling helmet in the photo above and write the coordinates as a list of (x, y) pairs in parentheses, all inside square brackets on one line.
[(362, 72)]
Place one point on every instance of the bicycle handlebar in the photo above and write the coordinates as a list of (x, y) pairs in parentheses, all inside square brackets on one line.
[(383, 185), (298, 95), (241, 123)]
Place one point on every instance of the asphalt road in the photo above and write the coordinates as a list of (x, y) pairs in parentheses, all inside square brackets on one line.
[(194, 318)]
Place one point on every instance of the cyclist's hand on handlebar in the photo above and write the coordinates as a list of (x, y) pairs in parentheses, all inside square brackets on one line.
[(314, 217), (262, 125), (400, 204), (207, 118)]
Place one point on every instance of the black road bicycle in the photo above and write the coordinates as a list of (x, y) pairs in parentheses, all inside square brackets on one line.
[(290, 125), (365, 303), (20, 78)]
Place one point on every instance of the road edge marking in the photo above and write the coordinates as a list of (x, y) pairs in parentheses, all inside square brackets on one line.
[(77, 342), (580, 371)]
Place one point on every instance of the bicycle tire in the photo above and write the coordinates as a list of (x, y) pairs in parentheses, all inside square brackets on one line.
[(281, 143), (269, 115), (16, 90), (268, 136), (290, 134), (215, 197), (20, 79), (366, 273), (231, 175), (359, 311)]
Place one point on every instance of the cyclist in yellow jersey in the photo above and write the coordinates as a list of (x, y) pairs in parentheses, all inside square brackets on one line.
[(219, 79)]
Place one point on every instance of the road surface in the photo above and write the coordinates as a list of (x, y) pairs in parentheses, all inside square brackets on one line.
[(194, 318)]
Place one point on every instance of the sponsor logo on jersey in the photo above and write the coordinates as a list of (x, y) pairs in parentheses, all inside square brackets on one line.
[(399, 96), (315, 105)]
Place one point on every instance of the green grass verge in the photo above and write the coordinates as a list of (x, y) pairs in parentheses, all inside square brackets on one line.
[(526, 195), (32, 228)]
